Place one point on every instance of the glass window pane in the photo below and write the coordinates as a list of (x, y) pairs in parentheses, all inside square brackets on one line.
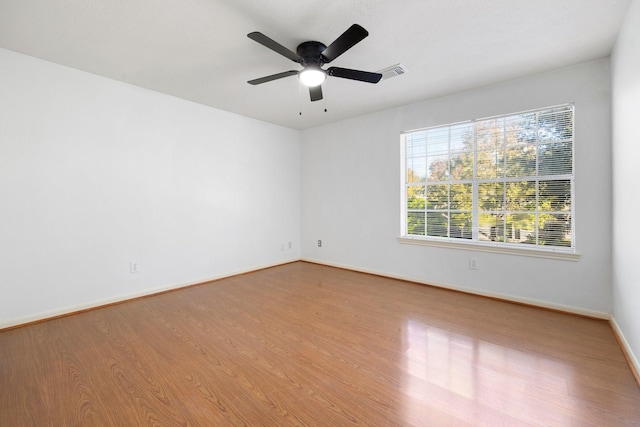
[(521, 161), (461, 198), (416, 169), (416, 143), (520, 129), (438, 168), (490, 164), (555, 158), (555, 230), (555, 124), (491, 196), (521, 196), (437, 141), (415, 223), (437, 224), (490, 134), (491, 227), (416, 197), (554, 196), (461, 225), (438, 197), (521, 228), (461, 166), (461, 138)]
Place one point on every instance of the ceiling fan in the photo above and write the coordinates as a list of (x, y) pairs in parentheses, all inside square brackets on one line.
[(312, 56)]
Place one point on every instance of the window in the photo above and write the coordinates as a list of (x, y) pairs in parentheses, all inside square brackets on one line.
[(501, 181)]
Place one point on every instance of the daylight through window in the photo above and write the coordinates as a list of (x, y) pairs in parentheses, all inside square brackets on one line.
[(505, 180)]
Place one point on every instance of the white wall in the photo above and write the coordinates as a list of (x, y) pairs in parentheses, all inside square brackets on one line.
[(95, 173), (351, 182), (626, 176)]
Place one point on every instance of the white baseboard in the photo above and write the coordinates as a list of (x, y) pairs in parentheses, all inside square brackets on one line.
[(11, 323), (533, 302), (631, 357), (37, 317)]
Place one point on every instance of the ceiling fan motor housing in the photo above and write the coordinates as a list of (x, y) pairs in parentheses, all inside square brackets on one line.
[(311, 53)]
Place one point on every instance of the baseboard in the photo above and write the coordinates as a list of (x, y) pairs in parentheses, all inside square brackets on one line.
[(67, 311), (39, 317), (503, 297), (634, 364)]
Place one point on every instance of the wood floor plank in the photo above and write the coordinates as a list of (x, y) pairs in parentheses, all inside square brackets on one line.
[(305, 344)]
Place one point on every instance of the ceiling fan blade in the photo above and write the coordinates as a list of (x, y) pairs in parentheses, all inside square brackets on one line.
[(274, 46), (346, 41), (346, 73), (272, 77), (315, 92)]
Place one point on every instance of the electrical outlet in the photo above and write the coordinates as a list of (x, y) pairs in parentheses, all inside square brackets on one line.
[(289, 245), (473, 263), (319, 243), (282, 247), (133, 267)]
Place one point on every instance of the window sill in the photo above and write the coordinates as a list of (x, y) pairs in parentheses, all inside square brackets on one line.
[(558, 254)]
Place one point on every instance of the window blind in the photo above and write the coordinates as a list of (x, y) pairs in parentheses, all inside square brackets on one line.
[(502, 180)]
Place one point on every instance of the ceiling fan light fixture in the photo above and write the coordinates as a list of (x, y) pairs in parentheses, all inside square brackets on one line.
[(312, 77)]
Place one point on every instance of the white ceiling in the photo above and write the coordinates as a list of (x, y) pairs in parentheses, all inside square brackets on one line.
[(198, 49)]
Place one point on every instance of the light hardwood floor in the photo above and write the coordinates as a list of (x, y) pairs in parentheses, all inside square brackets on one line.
[(304, 344)]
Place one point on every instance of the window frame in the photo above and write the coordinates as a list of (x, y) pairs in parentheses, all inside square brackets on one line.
[(534, 250)]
